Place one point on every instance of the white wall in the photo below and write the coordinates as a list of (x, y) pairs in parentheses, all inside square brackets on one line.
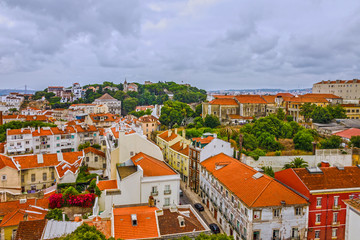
[(352, 224), (215, 147)]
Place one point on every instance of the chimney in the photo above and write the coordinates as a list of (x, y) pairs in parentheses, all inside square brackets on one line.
[(325, 164), (59, 157), (314, 148), (175, 130), (63, 217), (40, 158), (38, 129), (169, 132), (181, 221), (184, 133)]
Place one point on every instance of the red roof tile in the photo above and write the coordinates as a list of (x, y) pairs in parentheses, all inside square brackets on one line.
[(107, 184), (95, 151), (257, 99), (321, 95), (146, 227), (18, 131), (30, 230), (6, 162), (202, 140), (330, 178), (254, 192), (152, 166), (167, 138), (224, 101), (179, 147), (348, 133)]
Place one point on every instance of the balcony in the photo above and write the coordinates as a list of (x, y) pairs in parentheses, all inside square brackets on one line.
[(336, 207), (154, 193), (167, 192), (335, 224)]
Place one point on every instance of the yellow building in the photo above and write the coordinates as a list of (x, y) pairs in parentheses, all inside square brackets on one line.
[(166, 139), (352, 110), (179, 158)]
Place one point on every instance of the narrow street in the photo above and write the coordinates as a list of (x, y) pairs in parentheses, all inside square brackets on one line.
[(189, 197)]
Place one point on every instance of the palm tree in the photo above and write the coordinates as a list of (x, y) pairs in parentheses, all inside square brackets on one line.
[(297, 162), (268, 171), (227, 131)]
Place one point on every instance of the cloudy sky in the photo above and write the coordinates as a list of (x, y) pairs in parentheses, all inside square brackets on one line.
[(212, 44)]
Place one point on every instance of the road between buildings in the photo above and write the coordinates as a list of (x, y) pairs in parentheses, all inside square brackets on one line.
[(189, 197)]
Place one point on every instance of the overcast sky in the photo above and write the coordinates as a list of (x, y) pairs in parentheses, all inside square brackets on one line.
[(212, 44)]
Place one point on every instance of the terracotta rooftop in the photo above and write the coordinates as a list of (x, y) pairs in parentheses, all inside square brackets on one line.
[(6, 162), (106, 117), (253, 191), (234, 116), (353, 203), (203, 140), (167, 138), (107, 184), (330, 178), (146, 226), (102, 225), (224, 101), (169, 222), (339, 81), (18, 131), (30, 230), (269, 98), (106, 97), (179, 147), (95, 151), (257, 99), (348, 133), (321, 95), (223, 96), (152, 166), (284, 95)]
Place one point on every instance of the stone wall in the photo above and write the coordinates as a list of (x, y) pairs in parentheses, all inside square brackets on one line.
[(333, 156)]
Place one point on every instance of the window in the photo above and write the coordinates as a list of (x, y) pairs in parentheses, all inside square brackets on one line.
[(27, 142), (104, 165), (44, 176), (334, 232), (256, 235), (294, 233), (351, 196), (33, 177), (167, 189), (276, 213), (298, 211), (257, 215), (167, 201), (276, 234), (22, 178), (336, 201), (318, 218), (96, 159), (52, 175), (335, 217), (246, 212), (317, 234), (318, 202), (3, 177), (154, 189)]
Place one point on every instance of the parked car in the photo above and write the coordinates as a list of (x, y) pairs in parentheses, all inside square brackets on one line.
[(199, 207), (214, 228)]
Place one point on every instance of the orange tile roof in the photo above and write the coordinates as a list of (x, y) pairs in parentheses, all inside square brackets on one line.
[(41, 132), (87, 128), (30, 230), (102, 225), (224, 101), (18, 131), (307, 99), (107, 184), (148, 118), (253, 192), (14, 217), (331, 178), (348, 133), (63, 167), (179, 147), (202, 140), (234, 116), (321, 95), (95, 151), (269, 98), (223, 96), (6, 162), (147, 226), (338, 81), (257, 99), (284, 95), (108, 117), (49, 160), (353, 203), (152, 166), (165, 136)]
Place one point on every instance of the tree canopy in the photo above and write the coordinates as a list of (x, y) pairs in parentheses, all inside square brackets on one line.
[(331, 143), (303, 140), (211, 121), (85, 232), (174, 112), (297, 162)]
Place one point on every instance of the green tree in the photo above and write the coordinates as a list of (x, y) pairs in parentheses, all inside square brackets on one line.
[(13, 110), (297, 162), (303, 140), (198, 110), (331, 143), (321, 115), (289, 118), (129, 104), (337, 111), (211, 121), (280, 114), (199, 122), (355, 141), (203, 236), (85, 232), (306, 110), (174, 112), (83, 146), (250, 142), (56, 214), (268, 171)]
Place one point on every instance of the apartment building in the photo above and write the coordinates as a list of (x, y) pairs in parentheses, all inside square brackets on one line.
[(138, 180), (200, 149), (179, 159), (149, 124), (168, 138), (88, 108), (326, 188), (250, 205), (113, 104), (347, 89), (352, 110), (101, 120), (50, 139)]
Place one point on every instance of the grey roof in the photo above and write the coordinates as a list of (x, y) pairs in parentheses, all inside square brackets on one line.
[(55, 229), (105, 97)]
